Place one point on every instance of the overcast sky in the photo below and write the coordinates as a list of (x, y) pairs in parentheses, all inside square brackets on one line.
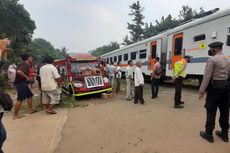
[(83, 25)]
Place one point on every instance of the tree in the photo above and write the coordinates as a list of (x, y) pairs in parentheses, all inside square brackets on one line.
[(150, 30), (166, 23), (40, 48), (105, 49), (64, 50), (17, 25), (16, 22), (163, 25), (126, 41), (187, 13), (136, 28)]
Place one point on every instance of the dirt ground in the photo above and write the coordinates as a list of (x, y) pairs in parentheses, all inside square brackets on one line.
[(34, 133), (119, 126)]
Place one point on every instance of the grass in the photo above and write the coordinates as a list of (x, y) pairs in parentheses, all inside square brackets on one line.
[(66, 101), (71, 102)]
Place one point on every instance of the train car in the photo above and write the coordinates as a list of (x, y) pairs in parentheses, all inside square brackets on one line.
[(144, 51), (191, 39), (81, 75)]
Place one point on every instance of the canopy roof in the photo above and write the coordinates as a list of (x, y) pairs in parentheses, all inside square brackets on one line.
[(82, 57)]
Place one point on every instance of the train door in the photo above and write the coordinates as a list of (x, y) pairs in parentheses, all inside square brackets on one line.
[(153, 53), (177, 48), (155, 49)]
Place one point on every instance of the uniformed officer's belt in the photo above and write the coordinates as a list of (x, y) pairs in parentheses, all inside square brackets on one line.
[(219, 82)]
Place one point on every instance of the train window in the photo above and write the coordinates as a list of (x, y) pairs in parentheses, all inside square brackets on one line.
[(228, 40), (115, 58), (154, 51), (120, 58), (111, 59), (199, 37), (107, 60), (126, 57), (133, 56), (142, 54), (178, 46)]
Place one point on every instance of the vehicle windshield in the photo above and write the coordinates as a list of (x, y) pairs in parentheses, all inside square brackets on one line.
[(84, 68)]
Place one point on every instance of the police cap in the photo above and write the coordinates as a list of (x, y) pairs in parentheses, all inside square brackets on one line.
[(216, 44)]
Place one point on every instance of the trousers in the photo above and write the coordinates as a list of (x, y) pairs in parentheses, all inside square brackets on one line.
[(155, 87), (2, 133), (139, 95), (217, 98), (178, 90), (129, 89), (117, 85)]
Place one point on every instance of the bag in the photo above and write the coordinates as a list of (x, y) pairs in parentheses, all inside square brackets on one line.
[(158, 71), (11, 75), (6, 101)]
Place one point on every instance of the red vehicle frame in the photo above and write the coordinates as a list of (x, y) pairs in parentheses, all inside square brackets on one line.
[(81, 75)]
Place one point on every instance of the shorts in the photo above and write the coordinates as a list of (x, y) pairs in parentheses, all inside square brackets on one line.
[(51, 97), (23, 92)]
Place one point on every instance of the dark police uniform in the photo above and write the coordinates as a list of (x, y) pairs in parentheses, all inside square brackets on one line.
[(215, 82)]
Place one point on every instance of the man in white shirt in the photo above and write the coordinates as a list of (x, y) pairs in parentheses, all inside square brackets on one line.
[(50, 83), (117, 77), (107, 69), (129, 80), (139, 84), (112, 69)]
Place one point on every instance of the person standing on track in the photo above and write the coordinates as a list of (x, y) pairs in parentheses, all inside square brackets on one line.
[(215, 82)]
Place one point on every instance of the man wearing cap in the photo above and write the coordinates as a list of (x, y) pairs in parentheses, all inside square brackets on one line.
[(215, 82), (178, 75)]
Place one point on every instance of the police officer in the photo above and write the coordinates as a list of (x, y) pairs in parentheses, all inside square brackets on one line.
[(178, 75), (215, 82)]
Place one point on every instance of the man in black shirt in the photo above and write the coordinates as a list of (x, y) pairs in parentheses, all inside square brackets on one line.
[(21, 82)]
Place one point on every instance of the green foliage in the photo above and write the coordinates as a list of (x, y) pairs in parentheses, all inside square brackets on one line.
[(16, 23), (136, 28), (105, 49), (126, 41), (185, 15), (40, 48), (68, 102), (3, 80), (165, 24)]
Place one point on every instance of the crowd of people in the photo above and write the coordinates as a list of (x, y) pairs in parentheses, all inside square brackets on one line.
[(215, 82), (134, 79), (49, 83)]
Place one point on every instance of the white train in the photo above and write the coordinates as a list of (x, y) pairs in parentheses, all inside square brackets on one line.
[(190, 39)]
